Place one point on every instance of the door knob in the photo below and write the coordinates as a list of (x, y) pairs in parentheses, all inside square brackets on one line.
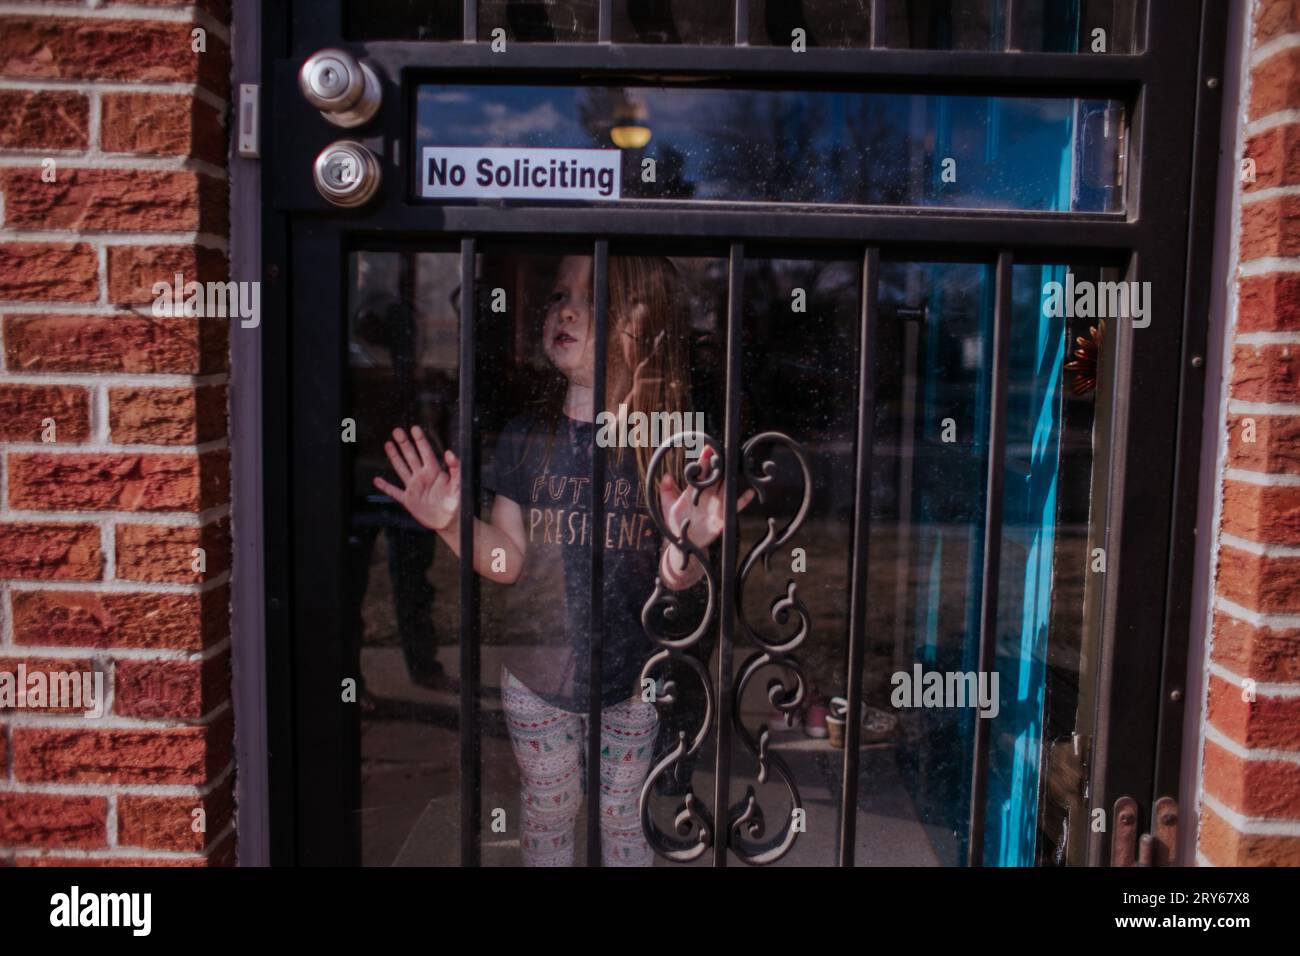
[(346, 173), (346, 91)]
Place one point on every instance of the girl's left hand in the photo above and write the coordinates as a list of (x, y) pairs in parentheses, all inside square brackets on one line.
[(706, 516), (431, 494)]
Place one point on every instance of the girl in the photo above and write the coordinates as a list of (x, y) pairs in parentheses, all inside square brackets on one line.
[(539, 522)]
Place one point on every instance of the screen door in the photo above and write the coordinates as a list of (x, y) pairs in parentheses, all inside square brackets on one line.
[(884, 298)]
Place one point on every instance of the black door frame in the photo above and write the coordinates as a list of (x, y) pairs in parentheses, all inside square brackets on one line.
[(1157, 389)]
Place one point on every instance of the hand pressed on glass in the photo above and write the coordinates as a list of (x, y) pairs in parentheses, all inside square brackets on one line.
[(432, 496), (430, 493), (703, 520)]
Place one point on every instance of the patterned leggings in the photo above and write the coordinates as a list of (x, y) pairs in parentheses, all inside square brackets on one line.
[(549, 744)]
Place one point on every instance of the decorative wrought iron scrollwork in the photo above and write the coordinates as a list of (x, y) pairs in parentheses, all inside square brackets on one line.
[(662, 619), (786, 690), (746, 824)]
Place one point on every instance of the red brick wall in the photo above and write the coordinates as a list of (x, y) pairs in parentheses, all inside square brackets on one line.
[(98, 527), (1250, 806)]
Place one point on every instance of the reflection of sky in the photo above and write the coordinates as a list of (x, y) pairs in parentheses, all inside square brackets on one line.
[(832, 147)]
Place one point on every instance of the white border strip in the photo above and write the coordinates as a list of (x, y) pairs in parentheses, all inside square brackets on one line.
[(1255, 826), (1262, 755), (1281, 691), (1274, 622)]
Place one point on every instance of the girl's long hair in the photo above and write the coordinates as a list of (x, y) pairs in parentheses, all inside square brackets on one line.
[(658, 379), (660, 366)]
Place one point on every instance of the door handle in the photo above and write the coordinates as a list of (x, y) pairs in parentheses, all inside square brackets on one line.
[(345, 90)]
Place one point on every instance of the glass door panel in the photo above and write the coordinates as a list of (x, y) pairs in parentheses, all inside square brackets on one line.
[(923, 686), (798, 409), (403, 617), (1050, 154)]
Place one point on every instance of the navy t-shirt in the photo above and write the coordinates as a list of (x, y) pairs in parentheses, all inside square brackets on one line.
[(546, 627)]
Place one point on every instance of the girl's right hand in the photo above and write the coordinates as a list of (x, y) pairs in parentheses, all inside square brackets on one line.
[(431, 494)]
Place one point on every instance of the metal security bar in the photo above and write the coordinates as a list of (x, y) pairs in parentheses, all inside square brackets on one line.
[(994, 483), (730, 546), (1158, 87), (870, 286), (600, 323), (469, 20), (471, 766)]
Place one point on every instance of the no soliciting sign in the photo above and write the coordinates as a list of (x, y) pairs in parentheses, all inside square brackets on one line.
[(474, 172)]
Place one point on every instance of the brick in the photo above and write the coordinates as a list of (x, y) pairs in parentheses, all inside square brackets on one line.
[(24, 410), (118, 482), (1276, 152), (162, 124), (117, 200), (116, 861), (1275, 18), (1254, 788), (1261, 584), (133, 270), (167, 823), (1266, 373), (115, 343), (1269, 655), (181, 755), (1269, 514), (147, 552), (45, 552), (53, 821), (60, 676), (48, 271), (1270, 227), (189, 622), (1275, 450), (163, 689), (1223, 845), (44, 119), (141, 51), (1269, 303), (1266, 723), (1275, 83), (218, 8), (167, 416)]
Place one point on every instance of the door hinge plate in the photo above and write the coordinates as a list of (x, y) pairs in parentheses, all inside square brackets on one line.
[(1157, 848)]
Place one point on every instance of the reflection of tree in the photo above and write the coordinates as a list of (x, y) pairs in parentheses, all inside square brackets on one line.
[(787, 148), (874, 163), (763, 147), (768, 146), (671, 174), (597, 110), (815, 360)]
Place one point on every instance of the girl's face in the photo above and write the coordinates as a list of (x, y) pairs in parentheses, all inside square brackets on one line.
[(566, 332)]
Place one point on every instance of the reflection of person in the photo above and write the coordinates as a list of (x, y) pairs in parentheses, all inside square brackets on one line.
[(386, 323), (540, 474)]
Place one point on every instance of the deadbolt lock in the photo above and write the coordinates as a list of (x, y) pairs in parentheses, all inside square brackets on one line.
[(345, 90), (346, 173)]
